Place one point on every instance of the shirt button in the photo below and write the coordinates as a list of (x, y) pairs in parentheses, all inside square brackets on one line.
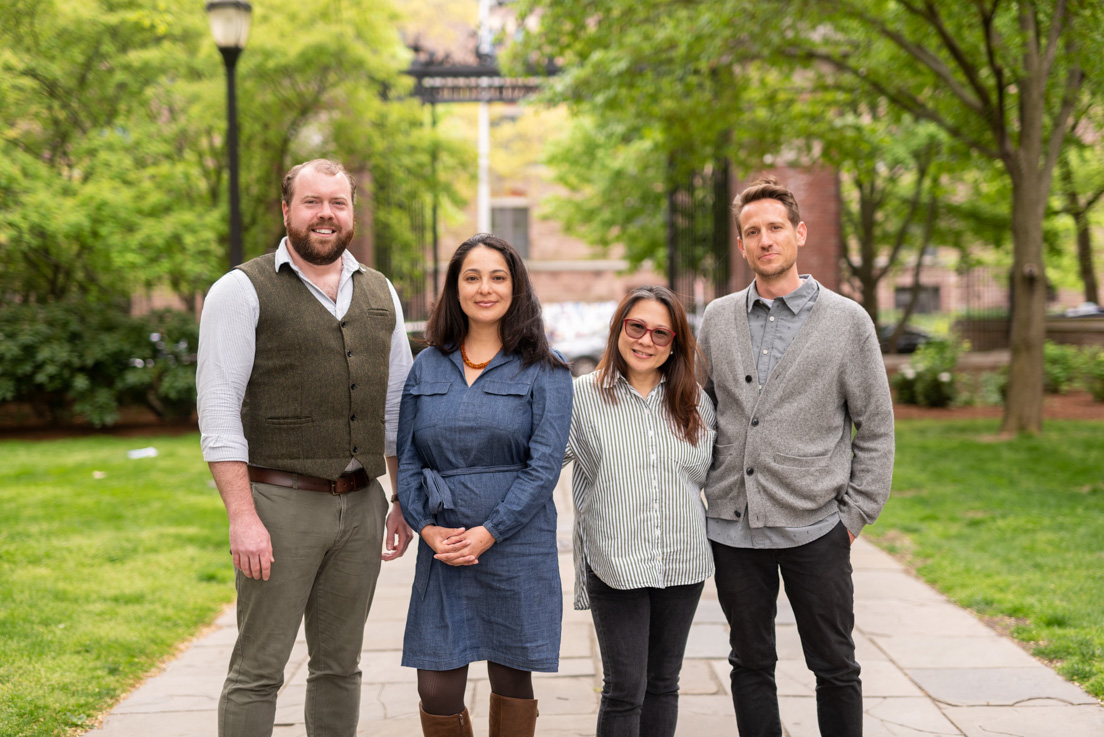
[(764, 351), (772, 318), (751, 472)]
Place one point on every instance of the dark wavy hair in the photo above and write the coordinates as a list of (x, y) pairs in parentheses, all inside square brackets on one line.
[(684, 368), (522, 328), (766, 188)]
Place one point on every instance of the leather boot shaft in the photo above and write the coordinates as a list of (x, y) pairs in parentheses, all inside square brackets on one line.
[(452, 725), (512, 717)]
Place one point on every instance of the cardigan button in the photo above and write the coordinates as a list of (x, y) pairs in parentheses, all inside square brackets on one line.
[(751, 472), (754, 421), (748, 378)]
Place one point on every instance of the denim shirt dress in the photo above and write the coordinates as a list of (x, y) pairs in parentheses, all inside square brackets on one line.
[(488, 454)]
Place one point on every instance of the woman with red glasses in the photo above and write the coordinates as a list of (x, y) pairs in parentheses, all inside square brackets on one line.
[(642, 433)]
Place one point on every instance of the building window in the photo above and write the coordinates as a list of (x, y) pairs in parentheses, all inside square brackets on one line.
[(510, 220), (927, 303)]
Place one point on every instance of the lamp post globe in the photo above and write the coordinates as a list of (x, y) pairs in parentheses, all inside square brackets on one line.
[(230, 27)]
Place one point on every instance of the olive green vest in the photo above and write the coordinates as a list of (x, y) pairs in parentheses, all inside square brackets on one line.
[(316, 396)]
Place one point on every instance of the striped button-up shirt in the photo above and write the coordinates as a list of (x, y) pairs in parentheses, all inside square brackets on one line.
[(639, 514)]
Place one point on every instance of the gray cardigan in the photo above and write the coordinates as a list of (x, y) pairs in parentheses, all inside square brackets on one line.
[(787, 452)]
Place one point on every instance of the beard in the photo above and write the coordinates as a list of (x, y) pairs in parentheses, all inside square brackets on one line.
[(319, 254)]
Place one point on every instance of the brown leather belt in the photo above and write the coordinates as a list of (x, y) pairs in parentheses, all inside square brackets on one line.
[(343, 484)]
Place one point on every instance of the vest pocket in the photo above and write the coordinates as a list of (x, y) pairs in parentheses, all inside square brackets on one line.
[(289, 421)]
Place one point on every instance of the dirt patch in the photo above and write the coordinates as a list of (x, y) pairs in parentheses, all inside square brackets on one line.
[(1072, 406)]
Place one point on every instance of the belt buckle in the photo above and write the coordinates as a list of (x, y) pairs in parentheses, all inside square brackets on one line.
[(333, 487)]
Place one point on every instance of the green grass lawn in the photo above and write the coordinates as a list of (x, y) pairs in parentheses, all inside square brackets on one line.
[(100, 579), (1011, 529)]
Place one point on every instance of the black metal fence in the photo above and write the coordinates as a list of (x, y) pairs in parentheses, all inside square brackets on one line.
[(698, 233)]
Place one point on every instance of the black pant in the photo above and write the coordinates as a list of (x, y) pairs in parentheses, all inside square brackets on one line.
[(818, 584), (642, 634)]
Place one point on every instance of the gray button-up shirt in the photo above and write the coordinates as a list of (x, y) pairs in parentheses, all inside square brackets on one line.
[(773, 325)]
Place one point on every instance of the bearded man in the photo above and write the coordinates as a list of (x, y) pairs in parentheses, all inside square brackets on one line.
[(302, 359)]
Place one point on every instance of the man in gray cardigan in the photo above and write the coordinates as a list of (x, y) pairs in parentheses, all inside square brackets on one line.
[(803, 461)]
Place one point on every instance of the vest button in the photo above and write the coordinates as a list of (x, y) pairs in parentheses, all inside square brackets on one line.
[(353, 387), (751, 472), (355, 449), (352, 419), (748, 378), (344, 323), (349, 354), (754, 421)]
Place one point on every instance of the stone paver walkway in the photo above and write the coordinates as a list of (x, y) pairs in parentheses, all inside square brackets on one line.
[(929, 668)]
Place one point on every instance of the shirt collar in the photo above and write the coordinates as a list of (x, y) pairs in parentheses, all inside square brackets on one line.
[(349, 264), (794, 301)]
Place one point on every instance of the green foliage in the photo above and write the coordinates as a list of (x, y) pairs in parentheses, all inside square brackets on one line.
[(1094, 373), (929, 378), (109, 563), (1060, 367), (87, 359), (1010, 529), (113, 135)]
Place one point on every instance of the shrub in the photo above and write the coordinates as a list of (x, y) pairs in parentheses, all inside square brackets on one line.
[(929, 379), (1060, 367), (88, 359), (1093, 372)]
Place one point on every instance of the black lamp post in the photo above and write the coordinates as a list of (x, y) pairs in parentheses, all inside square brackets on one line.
[(230, 27)]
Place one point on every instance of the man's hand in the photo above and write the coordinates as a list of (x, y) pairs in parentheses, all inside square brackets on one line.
[(852, 536), (250, 543), (397, 534), (251, 546)]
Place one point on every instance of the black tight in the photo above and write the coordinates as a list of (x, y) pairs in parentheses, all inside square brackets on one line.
[(442, 691)]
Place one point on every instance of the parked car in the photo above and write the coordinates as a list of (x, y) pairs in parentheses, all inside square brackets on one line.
[(911, 338), (583, 352)]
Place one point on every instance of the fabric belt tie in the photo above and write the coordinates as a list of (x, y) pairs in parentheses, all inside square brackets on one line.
[(437, 491), (343, 484)]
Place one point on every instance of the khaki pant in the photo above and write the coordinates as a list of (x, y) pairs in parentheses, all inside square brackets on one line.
[(327, 550)]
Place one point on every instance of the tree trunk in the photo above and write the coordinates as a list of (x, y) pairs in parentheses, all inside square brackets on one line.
[(1085, 258), (1023, 408)]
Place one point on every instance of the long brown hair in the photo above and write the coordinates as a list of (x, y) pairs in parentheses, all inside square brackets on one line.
[(522, 328), (682, 369)]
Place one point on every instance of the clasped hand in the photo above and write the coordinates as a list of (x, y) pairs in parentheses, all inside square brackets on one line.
[(458, 546)]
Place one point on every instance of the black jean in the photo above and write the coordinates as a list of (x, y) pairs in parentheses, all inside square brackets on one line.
[(642, 635), (818, 584)]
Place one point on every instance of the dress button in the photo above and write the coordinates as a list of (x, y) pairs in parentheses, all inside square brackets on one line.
[(751, 472), (754, 421), (747, 378)]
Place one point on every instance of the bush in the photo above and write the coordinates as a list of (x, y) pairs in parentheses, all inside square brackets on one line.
[(88, 359), (1061, 365), (1093, 372), (929, 379)]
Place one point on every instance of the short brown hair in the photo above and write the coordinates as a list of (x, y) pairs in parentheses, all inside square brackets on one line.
[(765, 188), (326, 166)]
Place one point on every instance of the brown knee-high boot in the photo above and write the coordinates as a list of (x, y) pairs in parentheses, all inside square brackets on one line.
[(512, 717), (453, 725)]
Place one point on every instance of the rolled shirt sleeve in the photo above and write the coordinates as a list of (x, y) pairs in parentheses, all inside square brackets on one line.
[(398, 367)]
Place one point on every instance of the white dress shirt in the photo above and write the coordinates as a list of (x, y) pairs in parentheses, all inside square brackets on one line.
[(227, 345)]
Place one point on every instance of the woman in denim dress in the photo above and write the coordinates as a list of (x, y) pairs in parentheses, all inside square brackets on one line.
[(484, 422)]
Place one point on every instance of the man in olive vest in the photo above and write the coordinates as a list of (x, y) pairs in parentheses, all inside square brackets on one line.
[(302, 358)]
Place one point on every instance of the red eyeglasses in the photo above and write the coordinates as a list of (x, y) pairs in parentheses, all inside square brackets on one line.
[(636, 330)]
